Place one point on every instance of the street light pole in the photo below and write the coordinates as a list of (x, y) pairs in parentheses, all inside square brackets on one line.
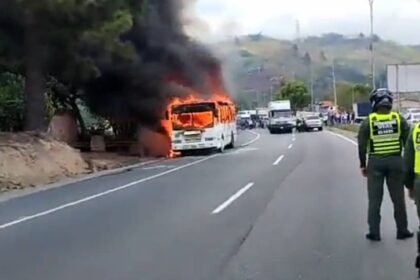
[(372, 52), (334, 83), (312, 86)]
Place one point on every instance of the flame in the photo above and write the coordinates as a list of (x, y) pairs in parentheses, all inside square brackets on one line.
[(192, 120), (199, 120)]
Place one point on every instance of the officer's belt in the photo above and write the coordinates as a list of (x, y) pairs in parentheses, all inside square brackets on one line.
[(385, 155)]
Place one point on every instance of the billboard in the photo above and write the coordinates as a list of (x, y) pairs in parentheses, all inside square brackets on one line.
[(403, 78)]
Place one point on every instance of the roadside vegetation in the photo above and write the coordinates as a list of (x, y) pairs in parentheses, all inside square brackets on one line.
[(349, 127), (49, 50), (297, 93)]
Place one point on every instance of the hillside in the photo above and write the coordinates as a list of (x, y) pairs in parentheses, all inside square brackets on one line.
[(291, 59)]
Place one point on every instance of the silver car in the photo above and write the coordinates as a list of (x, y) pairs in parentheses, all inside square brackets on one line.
[(313, 122)]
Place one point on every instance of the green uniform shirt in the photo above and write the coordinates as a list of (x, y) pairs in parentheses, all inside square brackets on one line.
[(409, 156), (363, 139)]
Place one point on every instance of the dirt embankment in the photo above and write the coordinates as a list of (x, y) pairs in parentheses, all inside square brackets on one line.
[(30, 159), (33, 159)]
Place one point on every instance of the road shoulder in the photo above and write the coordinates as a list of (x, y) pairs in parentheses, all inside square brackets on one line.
[(245, 138), (352, 136)]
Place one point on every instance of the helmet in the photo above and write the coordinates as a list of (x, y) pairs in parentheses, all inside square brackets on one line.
[(381, 98)]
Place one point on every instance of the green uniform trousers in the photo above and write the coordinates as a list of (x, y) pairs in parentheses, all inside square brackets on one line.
[(389, 169), (417, 198)]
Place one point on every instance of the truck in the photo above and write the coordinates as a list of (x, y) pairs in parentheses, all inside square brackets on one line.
[(262, 114), (361, 111), (280, 117)]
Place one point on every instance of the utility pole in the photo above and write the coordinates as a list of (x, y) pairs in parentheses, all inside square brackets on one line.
[(334, 82), (297, 31), (398, 87), (312, 85), (372, 52)]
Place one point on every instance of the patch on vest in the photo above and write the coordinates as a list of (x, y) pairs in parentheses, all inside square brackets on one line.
[(418, 138), (385, 127)]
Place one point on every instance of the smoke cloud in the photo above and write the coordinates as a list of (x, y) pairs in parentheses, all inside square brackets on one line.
[(140, 90)]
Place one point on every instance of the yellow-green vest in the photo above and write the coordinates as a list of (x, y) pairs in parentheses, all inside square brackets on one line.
[(385, 134), (416, 142)]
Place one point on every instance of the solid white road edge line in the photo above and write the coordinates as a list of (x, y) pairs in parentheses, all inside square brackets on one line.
[(343, 137), (253, 140), (83, 200), (290, 146), (158, 167), (280, 158), (231, 199)]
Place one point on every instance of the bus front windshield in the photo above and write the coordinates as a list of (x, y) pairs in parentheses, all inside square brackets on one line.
[(193, 116)]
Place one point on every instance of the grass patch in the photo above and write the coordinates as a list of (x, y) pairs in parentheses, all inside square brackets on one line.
[(349, 127)]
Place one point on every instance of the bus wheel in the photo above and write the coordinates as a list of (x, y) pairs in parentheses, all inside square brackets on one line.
[(232, 142)]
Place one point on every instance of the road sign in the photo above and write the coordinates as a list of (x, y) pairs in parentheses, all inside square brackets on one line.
[(403, 78)]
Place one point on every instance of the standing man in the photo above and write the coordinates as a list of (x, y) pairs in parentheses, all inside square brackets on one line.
[(412, 175), (382, 136)]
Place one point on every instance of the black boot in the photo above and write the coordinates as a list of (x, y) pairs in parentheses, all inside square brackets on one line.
[(404, 234), (373, 237)]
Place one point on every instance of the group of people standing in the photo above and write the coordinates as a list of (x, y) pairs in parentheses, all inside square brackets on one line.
[(335, 117)]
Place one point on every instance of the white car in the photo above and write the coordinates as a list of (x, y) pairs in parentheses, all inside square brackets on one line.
[(413, 118), (313, 122)]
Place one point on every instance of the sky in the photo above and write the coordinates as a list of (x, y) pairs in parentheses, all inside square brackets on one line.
[(397, 20)]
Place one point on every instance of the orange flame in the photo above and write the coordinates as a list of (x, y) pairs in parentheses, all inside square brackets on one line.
[(199, 120)]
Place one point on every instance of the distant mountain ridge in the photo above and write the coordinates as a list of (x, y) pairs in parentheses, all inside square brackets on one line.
[(294, 59)]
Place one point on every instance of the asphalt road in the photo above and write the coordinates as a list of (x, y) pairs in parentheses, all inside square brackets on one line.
[(285, 207)]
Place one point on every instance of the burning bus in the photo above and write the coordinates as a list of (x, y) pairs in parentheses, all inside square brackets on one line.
[(198, 124)]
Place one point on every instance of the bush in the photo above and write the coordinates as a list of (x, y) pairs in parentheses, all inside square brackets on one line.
[(349, 127), (11, 102)]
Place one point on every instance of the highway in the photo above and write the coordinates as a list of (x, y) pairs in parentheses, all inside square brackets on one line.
[(284, 207)]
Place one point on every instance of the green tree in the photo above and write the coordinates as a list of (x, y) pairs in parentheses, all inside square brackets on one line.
[(347, 94), (344, 96), (295, 50), (297, 93), (46, 38), (307, 60), (11, 102), (361, 93)]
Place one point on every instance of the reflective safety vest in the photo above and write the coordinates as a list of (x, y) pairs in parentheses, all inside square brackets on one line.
[(385, 134), (416, 142)]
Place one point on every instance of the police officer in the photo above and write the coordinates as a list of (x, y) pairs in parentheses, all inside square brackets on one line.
[(412, 165), (382, 136), (412, 174)]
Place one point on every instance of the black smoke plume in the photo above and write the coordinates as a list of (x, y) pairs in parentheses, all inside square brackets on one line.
[(140, 90)]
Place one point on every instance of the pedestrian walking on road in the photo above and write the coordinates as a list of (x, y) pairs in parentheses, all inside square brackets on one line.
[(382, 136)]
